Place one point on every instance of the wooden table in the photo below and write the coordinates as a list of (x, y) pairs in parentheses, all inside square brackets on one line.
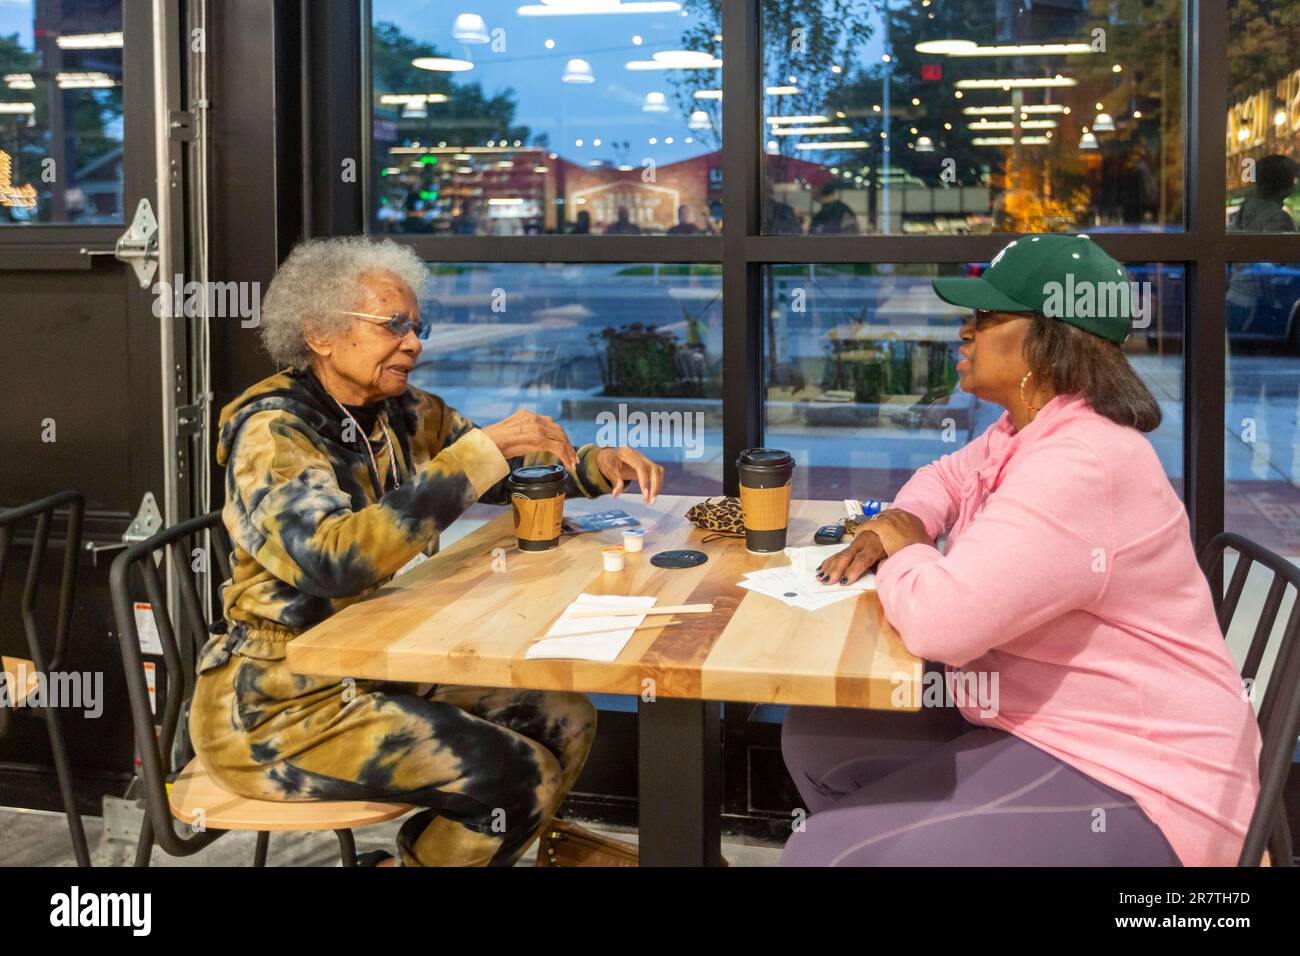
[(468, 615)]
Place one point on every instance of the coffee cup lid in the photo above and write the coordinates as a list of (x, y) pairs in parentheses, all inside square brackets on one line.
[(765, 458), (537, 474)]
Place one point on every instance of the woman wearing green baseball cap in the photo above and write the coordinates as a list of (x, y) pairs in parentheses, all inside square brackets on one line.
[(1098, 717)]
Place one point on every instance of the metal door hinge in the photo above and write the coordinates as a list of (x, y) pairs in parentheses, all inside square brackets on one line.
[(139, 244), (189, 420), (146, 522), (180, 126)]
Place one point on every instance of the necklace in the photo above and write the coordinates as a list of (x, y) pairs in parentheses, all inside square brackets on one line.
[(388, 444)]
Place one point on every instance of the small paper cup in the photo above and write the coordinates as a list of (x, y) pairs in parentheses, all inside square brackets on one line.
[(633, 540), (613, 558)]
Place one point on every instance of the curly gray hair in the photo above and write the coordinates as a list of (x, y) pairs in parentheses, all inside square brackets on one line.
[(318, 278)]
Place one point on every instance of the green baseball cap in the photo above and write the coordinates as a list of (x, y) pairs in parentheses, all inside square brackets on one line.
[(1064, 277)]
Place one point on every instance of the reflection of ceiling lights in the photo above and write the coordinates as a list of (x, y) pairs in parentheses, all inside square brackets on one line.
[(1006, 110), (470, 28), (782, 90), (442, 64), (569, 8), (924, 144), (811, 130), (708, 94), (417, 99), (1034, 140), (677, 60), (985, 124), (834, 144), (1020, 82), (84, 81), (25, 108), (20, 81), (1038, 124), (971, 48), (994, 141), (1103, 123), (1087, 141), (456, 152), (811, 118), (699, 120), (655, 102), (505, 201), (773, 147), (578, 70), (414, 111), (90, 41)]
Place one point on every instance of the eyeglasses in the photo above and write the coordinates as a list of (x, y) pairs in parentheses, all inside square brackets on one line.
[(987, 318), (399, 323)]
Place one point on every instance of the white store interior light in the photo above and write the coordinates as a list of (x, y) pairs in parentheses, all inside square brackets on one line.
[(442, 64), (470, 28), (578, 70)]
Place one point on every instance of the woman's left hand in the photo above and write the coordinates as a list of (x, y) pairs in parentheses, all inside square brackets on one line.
[(625, 464), (896, 529)]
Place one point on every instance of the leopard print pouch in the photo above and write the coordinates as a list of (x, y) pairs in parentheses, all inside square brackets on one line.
[(721, 515)]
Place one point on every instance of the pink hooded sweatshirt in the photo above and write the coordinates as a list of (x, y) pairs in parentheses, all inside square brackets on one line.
[(1069, 572)]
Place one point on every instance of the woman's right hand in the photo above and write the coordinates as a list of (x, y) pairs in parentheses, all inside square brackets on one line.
[(526, 431), (845, 567)]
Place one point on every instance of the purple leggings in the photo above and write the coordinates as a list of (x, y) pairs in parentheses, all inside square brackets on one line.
[(932, 789)]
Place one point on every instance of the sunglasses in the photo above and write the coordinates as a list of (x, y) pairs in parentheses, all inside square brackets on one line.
[(399, 323)]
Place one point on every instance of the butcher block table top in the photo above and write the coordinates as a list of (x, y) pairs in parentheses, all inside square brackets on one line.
[(467, 616)]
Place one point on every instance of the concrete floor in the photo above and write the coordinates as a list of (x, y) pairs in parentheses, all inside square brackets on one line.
[(39, 838)]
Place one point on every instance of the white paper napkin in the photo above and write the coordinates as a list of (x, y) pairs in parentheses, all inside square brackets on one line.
[(796, 584), (568, 638)]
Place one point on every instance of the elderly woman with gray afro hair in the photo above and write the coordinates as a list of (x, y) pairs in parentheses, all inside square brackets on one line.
[(339, 474)]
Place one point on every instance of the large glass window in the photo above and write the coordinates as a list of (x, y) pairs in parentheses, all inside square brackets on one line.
[(627, 354), (556, 116), (1263, 115), (860, 365), (966, 116), (1263, 396), (60, 112)]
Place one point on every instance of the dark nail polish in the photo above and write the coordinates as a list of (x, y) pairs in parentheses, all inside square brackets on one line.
[(844, 580)]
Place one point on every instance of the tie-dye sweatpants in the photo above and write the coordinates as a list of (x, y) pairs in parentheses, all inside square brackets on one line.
[(490, 766)]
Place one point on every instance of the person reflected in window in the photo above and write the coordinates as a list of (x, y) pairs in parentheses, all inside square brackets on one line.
[(581, 224), (685, 223), (834, 217), (466, 222), (624, 226), (1263, 211), (1084, 671), (778, 217)]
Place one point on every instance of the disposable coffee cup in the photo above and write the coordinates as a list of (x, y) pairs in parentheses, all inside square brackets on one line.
[(766, 475), (537, 497)]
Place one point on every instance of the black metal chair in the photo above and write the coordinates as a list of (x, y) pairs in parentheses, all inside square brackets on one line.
[(195, 796), (18, 690), (1279, 710)]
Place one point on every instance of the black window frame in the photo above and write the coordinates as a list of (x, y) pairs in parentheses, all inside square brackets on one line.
[(1205, 248)]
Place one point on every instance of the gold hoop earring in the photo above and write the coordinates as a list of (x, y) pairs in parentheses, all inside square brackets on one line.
[(1033, 409)]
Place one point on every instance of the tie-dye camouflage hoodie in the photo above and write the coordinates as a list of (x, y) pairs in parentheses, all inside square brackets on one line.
[(311, 528)]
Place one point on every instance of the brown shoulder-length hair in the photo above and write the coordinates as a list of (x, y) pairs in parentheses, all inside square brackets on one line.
[(1078, 362)]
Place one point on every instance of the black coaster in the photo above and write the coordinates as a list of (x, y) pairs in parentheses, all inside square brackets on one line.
[(679, 559)]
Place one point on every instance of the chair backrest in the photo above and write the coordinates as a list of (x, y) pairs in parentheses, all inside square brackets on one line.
[(1279, 709), (43, 511), (148, 558)]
